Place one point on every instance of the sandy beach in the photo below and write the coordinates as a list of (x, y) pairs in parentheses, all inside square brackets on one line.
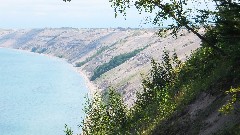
[(91, 86), (99, 46)]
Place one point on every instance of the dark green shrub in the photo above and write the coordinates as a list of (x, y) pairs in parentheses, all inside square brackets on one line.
[(106, 116), (34, 49), (114, 62), (42, 50), (79, 64), (155, 102)]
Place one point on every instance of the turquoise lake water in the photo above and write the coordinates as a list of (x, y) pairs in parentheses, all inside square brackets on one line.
[(38, 94)]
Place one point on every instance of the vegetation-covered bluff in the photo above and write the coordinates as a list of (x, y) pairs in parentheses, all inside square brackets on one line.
[(109, 57), (179, 95)]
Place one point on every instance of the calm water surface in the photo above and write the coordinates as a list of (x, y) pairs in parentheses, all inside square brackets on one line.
[(38, 95)]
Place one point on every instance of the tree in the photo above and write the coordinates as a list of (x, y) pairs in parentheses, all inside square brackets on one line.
[(190, 14), (228, 21), (105, 115)]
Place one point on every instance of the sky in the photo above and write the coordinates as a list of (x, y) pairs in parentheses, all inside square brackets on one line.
[(56, 14)]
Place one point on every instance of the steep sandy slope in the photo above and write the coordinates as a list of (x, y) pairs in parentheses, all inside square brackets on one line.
[(94, 47)]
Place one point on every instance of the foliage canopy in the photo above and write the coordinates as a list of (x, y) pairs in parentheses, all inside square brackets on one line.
[(171, 84), (190, 14)]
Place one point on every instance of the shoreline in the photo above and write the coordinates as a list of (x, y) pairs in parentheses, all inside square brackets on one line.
[(92, 89), (91, 86)]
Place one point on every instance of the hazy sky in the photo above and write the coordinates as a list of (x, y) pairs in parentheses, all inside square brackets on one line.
[(56, 13)]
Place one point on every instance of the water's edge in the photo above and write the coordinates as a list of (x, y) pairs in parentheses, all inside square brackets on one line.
[(17, 104), (91, 86)]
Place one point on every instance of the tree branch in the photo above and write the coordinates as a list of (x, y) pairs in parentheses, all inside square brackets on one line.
[(179, 20)]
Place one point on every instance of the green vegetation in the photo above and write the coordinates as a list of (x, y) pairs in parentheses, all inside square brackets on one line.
[(229, 107), (42, 50), (189, 14), (79, 64), (68, 131), (106, 115), (60, 56), (34, 49), (172, 85), (102, 49), (114, 62), (169, 88), (235, 130)]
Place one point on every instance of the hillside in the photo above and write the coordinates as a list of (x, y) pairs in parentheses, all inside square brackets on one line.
[(189, 103), (89, 49)]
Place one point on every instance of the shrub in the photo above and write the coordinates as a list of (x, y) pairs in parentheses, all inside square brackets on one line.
[(106, 116), (114, 62)]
